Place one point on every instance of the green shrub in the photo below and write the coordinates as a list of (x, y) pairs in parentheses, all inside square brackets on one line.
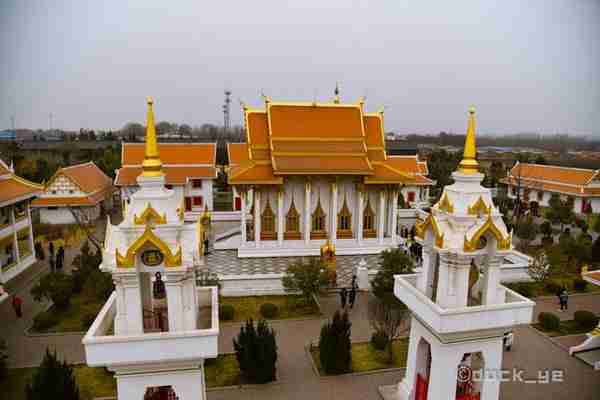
[(269, 310), (44, 320), (87, 319), (549, 321), (579, 284), (98, 285), (585, 319), (256, 352), (553, 287), (52, 380), (335, 346), (226, 312), (56, 287), (523, 289), (3, 362), (547, 241), (379, 340)]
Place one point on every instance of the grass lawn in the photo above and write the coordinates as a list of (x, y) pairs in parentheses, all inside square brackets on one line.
[(538, 289), (69, 320), (366, 358), (92, 382), (569, 327), (222, 371), (289, 307)]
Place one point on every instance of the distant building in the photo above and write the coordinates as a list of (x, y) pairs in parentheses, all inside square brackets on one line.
[(538, 182), (8, 135), (400, 148), (16, 235), (83, 188)]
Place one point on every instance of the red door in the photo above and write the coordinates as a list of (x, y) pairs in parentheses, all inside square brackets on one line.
[(238, 203), (188, 204), (421, 388)]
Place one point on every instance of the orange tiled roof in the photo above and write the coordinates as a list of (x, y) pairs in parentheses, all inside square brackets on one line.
[(395, 169), (13, 188), (553, 178), (309, 138), (571, 176), (237, 153), (88, 177), (171, 153), (174, 175), (595, 275)]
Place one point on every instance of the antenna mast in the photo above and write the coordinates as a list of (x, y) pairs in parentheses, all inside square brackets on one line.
[(226, 110)]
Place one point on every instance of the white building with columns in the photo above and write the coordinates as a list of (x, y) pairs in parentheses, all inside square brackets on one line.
[(157, 327), (319, 171), (460, 311)]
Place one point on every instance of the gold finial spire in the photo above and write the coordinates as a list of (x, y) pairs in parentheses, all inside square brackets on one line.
[(152, 165), (469, 164), (336, 93)]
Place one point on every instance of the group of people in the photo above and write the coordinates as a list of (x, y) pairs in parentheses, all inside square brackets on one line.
[(349, 296)]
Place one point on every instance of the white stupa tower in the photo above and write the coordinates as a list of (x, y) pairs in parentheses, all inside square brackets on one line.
[(157, 327), (460, 311)]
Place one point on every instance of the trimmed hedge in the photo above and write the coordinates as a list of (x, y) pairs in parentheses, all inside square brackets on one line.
[(549, 321), (379, 340), (585, 319), (269, 310), (553, 287), (44, 320), (226, 312)]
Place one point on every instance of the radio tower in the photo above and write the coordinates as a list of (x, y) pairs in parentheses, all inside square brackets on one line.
[(226, 119)]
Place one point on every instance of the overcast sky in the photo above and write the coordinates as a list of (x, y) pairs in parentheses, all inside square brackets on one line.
[(526, 65)]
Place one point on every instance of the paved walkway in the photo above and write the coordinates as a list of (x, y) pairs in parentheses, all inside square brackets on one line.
[(586, 301)]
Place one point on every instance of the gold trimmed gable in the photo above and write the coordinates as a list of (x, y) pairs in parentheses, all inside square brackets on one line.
[(148, 237), (421, 228), (150, 216), (445, 204), (504, 242), (479, 207)]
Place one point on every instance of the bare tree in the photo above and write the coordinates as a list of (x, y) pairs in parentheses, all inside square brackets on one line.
[(78, 217), (388, 320), (539, 267)]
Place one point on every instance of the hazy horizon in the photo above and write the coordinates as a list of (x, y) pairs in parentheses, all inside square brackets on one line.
[(526, 66)]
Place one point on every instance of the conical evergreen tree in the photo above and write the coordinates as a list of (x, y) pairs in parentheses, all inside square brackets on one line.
[(256, 352), (53, 380), (335, 346)]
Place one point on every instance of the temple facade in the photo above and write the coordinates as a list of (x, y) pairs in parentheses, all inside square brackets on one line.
[(312, 172)]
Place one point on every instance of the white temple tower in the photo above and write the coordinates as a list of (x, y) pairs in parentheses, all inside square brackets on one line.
[(157, 327), (460, 311)]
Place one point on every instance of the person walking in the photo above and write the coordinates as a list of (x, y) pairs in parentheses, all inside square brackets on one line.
[(564, 300), (354, 284), (352, 297), (343, 295), (17, 304)]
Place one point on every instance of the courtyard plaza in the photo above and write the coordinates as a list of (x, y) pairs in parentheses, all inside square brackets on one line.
[(531, 352)]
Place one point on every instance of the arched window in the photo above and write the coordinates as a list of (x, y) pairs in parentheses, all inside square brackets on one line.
[(369, 221), (267, 223), (292, 223), (318, 230), (344, 228)]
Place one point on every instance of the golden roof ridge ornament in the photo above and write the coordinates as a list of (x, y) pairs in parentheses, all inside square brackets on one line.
[(469, 164), (336, 93), (152, 164)]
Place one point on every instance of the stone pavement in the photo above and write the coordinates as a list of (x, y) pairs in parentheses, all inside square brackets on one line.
[(226, 262), (586, 301)]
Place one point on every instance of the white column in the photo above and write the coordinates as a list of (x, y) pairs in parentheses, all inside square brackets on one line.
[(129, 318), (394, 221), (381, 216), (444, 369), (257, 217), (333, 212), (31, 240), (492, 283), (492, 362), (175, 305), (360, 212), (243, 212), (426, 276), (307, 213), (280, 218), (16, 247)]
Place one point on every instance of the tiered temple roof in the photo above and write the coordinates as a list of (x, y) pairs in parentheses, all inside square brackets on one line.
[(181, 161), (318, 139)]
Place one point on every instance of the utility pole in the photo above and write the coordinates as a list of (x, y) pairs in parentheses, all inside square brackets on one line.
[(226, 110), (12, 123)]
